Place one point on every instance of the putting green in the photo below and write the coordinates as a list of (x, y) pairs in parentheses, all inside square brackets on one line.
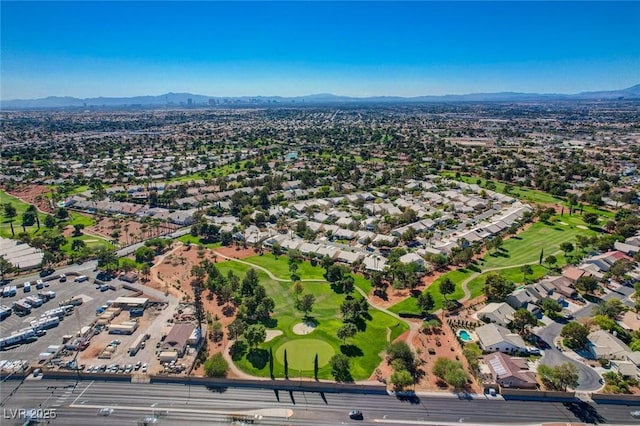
[(301, 353)]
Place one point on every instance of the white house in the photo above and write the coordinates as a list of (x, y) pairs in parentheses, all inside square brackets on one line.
[(494, 338)]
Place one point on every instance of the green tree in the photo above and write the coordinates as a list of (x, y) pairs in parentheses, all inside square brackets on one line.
[(271, 363), (199, 311), (401, 380), (340, 368), (450, 371), (497, 287), (611, 308), (255, 334), (306, 304), (586, 284), (216, 366), (144, 254), (425, 302), (5, 267), (346, 331), (297, 289), (526, 270), (9, 210), (551, 260), (522, 320), (575, 335), (107, 259), (49, 221), (566, 247), (566, 375), (446, 287), (590, 218), (401, 351), (550, 307)]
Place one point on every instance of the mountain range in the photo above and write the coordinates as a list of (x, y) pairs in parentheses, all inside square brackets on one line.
[(194, 100)]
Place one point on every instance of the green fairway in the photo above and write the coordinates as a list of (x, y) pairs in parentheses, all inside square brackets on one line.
[(301, 353), (280, 267), (525, 248), (457, 276), (364, 348)]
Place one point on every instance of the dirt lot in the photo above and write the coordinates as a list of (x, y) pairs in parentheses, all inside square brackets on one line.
[(129, 231), (172, 273), (444, 343), (33, 194)]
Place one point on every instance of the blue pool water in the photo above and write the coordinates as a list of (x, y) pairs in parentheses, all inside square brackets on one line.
[(465, 336)]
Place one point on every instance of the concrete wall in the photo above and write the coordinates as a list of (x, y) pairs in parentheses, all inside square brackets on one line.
[(527, 394), (603, 398), (292, 385)]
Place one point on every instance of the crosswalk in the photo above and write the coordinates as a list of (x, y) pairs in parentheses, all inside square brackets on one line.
[(62, 398)]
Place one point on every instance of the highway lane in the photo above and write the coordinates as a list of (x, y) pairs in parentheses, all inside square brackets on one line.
[(196, 405)]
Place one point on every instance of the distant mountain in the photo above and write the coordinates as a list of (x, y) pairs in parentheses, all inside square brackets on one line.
[(188, 99)]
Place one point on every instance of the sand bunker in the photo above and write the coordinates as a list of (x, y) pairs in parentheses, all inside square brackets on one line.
[(582, 227), (272, 334), (304, 327), (563, 223)]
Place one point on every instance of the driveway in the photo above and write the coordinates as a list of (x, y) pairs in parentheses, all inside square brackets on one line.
[(589, 379)]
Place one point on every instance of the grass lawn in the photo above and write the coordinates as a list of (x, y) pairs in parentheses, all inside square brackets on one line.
[(476, 285), (190, 239), (301, 353), (280, 267), (21, 207), (363, 349), (457, 276), (526, 246)]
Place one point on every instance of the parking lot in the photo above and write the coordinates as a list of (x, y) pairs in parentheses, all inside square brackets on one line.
[(83, 315)]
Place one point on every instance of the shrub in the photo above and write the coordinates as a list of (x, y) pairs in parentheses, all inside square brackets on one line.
[(216, 366)]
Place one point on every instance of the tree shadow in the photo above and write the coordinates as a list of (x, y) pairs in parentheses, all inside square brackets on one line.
[(217, 389), (269, 322), (382, 294), (258, 358), (408, 396), (351, 350), (360, 323), (238, 350), (585, 412), (228, 310), (337, 289)]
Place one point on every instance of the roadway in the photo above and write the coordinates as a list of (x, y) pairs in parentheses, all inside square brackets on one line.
[(191, 405)]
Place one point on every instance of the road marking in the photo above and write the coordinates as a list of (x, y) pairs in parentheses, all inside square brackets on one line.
[(82, 393), (269, 412)]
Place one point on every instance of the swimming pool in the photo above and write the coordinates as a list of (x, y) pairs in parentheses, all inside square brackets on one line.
[(465, 336)]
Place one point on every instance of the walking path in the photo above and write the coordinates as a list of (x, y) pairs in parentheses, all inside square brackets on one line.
[(465, 283)]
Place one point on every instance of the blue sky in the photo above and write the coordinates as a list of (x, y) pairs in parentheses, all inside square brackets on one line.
[(87, 49)]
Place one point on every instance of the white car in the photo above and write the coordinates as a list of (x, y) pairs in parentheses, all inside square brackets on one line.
[(106, 411)]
